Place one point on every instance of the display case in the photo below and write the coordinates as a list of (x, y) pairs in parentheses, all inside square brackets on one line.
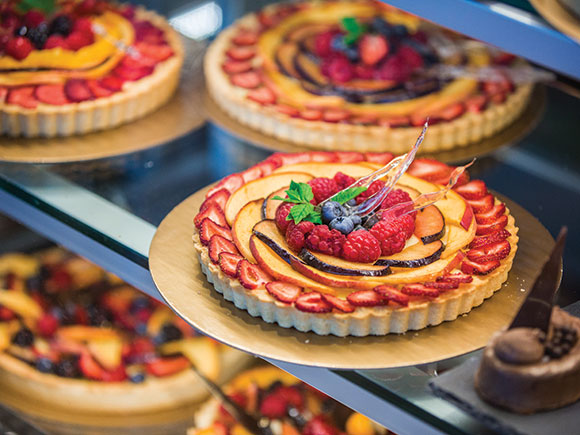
[(107, 210)]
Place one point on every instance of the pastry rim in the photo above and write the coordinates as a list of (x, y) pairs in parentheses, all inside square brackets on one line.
[(134, 101)]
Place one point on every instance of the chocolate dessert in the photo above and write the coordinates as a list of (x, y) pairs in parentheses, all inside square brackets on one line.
[(525, 370)]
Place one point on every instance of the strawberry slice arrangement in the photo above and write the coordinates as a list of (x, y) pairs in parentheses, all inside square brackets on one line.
[(64, 317), (284, 233), (298, 409)]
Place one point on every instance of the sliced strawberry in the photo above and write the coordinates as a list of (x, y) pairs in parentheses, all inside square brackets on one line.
[(89, 367), (338, 303), (397, 121), (132, 74), (287, 110), (491, 215), (366, 298), (166, 366), (476, 104), (251, 174), (363, 120), (214, 213), (373, 48), (219, 197), (349, 156), (266, 168), (454, 263), (498, 236), (263, 95), (475, 189), (499, 224), (6, 314), (3, 93), (112, 83), (420, 120), (231, 183), (273, 406), (228, 263), (322, 157), (241, 53), (392, 294), (311, 114), (117, 375), (455, 278), (283, 291), (451, 112), (217, 245), (77, 90), (483, 204), (472, 268), (490, 252), (251, 276), (209, 229), (380, 158), (419, 290), (291, 158), (236, 66), (156, 52), (313, 302), (98, 90), (51, 94), (441, 286), (498, 98), (428, 169), (22, 96), (335, 115), (245, 37), (246, 80)]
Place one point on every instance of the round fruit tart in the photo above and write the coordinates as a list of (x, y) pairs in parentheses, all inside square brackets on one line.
[(73, 336), (357, 75), (279, 242), (284, 403), (73, 67)]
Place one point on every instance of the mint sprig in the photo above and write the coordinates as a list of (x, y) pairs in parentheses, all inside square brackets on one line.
[(345, 196), (353, 29), (46, 6)]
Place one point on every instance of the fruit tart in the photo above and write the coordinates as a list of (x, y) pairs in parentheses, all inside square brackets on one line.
[(357, 75), (75, 67), (279, 242), (73, 336), (289, 406)]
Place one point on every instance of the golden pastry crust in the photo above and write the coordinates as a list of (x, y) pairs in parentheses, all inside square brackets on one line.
[(136, 100)]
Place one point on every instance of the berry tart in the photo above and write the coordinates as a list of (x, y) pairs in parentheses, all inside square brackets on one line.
[(289, 406), (357, 75), (73, 336), (268, 244), (80, 66)]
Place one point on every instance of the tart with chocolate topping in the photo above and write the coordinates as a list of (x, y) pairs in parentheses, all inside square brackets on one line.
[(81, 66), (357, 74)]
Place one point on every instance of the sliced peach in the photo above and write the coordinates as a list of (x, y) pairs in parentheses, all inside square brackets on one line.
[(269, 206), (81, 333), (20, 303), (429, 224), (331, 264), (248, 216), (200, 351), (107, 351), (416, 255), (457, 238), (260, 188)]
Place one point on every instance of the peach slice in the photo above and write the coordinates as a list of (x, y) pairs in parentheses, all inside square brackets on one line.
[(81, 333), (248, 216), (260, 188), (429, 224), (329, 170), (20, 303), (200, 351), (329, 263), (458, 238), (269, 206), (107, 352), (21, 265), (416, 255)]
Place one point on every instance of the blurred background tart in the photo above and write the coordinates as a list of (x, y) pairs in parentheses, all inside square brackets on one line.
[(354, 75), (82, 66)]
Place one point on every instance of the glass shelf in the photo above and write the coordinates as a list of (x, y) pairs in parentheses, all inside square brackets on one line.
[(108, 211)]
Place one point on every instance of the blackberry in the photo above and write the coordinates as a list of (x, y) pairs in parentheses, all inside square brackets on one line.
[(61, 25), (23, 338), (98, 315), (169, 332), (38, 36), (380, 25), (297, 418), (68, 368), (44, 365)]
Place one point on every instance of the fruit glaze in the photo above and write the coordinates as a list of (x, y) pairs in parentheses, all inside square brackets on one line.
[(66, 324), (76, 67), (318, 269), (286, 405), (332, 74)]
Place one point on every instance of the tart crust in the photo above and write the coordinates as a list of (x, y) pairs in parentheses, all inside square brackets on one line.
[(136, 100), (363, 321), (467, 129)]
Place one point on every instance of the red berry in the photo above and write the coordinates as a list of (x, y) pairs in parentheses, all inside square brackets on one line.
[(380, 158), (343, 181), (273, 406), (326, 241), (219, 198), (394, 68), (419, 290), (338, 303), (362, 247), (410, 56), (493, 251), (214, 213), (475, 189), (51, 94), (47, 325), (77, 90), (393, 233), (241, 53), (482, 205), (499, 224), (33, 18), (284, 291), (209, 229), (236, 66), (245, 37), (251, 276), (112, 83), (83, 25), (392, 294), (219, 244), (77, 40), (472, 268), (22, 96), (263, 95), (98, 90), (281, 213), (228, 263), (441, 285), (364, 72), (366, 298), (339, 69), (246, 80), (18, 48), (55, 41), (490, 216), (395, 196), (312, 302), (428, 169), (456, 278), (349, 156), (296, 234), (498, 236), (373, 48), (373, 188), (323, 188), (322, 43), (319, 426)]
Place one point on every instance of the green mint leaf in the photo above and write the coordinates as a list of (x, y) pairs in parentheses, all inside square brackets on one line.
[(294, 196), (353, 28), (305, 192), (348, 194), (315, 217), (46, 6), (300, 211), (279, 198)]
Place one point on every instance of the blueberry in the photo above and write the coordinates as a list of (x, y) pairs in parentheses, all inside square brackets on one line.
[(61, 25), (57, 312), (44, 365), (380, 25), (338, 44), (352, 202), (400, 31), (343, 224), (139, 303), (169, 332), (23, 338), (352, 53), (21, 31), (356, 219), (38, 36), (141, 328), (137, 378), (331, 210)]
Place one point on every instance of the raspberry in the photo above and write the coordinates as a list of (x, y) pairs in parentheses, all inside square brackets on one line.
[(281, 213), (393, 233), (296, 234), (339, 69), (342, 180), (362, 247), (323, 188), (324, 240), (395, 196), (322, 43), (373, 188), (18, 48)]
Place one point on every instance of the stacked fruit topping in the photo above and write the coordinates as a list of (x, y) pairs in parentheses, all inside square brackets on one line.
[(66, 317), (287, 406), (69, 52)]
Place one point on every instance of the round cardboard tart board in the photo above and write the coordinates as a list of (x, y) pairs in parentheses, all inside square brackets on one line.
[(177, 273), (559, 16), (525, 123), (182, 114)]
